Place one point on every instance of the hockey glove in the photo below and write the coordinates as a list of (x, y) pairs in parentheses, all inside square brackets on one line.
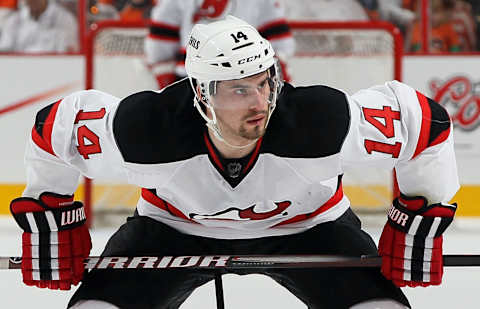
[(55, 240), (411, 241)]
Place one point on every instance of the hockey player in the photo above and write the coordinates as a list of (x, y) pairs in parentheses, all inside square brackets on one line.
[(173, 20), (263, 177)]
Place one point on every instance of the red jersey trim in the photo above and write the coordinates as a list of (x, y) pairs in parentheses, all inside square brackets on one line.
[(254, 155), (334, 200), (37, 139), (212, 153), (45, 141), (440, 138), (422, 143), (153, 199)]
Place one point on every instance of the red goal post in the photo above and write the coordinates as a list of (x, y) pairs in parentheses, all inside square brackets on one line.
[(346, 55)]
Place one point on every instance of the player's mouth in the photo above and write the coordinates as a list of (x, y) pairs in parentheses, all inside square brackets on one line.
[(257, 120)]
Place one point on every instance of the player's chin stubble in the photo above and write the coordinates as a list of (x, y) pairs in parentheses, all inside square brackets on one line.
[(254, 133)]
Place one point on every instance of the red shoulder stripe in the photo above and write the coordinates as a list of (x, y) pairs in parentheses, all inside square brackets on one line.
[(422, 143)]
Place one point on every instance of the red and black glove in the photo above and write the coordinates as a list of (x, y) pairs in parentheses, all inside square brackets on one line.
[(55, 240), (411, 241)]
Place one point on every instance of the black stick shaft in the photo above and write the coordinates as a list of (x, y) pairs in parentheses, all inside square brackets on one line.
[(219, 291), (240, 261)]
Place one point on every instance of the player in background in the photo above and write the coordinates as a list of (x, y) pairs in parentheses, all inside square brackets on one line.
[(173, 20), (264, 176)]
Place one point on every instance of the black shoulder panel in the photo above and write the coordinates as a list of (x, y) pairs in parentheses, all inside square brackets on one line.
[(41, 117), (309, 122), (440, 120), (159, 127)]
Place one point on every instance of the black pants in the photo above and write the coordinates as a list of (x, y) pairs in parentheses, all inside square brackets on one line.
[(168, 288)]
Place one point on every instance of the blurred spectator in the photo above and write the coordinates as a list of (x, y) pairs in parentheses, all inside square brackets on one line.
[(172, 21), (7, 7), (328, 11), (103, 9), (443, 37), (40, 26), (475, 5), (410, 4), (70, 5), (393, 11), (325, 10), (136, 10), (126, 10), (371, 7), (465, 26)]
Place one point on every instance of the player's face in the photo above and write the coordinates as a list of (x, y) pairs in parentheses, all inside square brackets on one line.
[(241, 106)]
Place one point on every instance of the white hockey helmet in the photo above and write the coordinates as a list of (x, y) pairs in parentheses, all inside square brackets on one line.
[(228, 49)]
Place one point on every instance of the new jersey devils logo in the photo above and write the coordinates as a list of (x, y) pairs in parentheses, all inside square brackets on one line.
[(245, 214), (234, 169), (461, 98), (213, 9)]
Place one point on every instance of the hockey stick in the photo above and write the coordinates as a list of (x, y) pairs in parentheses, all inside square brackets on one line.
[(240, 261)]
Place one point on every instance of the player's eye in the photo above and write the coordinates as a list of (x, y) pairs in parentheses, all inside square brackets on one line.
[(241, 91)]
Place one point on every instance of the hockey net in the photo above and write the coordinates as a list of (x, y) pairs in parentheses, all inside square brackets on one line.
[(349, 56)]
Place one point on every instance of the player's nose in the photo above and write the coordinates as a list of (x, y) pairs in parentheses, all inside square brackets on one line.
[(258, 101)]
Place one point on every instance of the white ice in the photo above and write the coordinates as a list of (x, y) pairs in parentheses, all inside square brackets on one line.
[(458, 290)]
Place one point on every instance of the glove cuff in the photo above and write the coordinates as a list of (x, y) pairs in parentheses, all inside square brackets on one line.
[(412, 223), (55, 200), (49, 219)]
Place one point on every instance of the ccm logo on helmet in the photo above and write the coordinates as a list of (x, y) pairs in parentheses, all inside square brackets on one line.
[(194, 42), (249, 59)]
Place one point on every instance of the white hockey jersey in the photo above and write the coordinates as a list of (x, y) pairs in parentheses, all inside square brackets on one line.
[(291, 182), (173, 20)]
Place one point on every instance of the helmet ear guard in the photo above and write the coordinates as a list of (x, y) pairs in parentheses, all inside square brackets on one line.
[(229, 49)]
